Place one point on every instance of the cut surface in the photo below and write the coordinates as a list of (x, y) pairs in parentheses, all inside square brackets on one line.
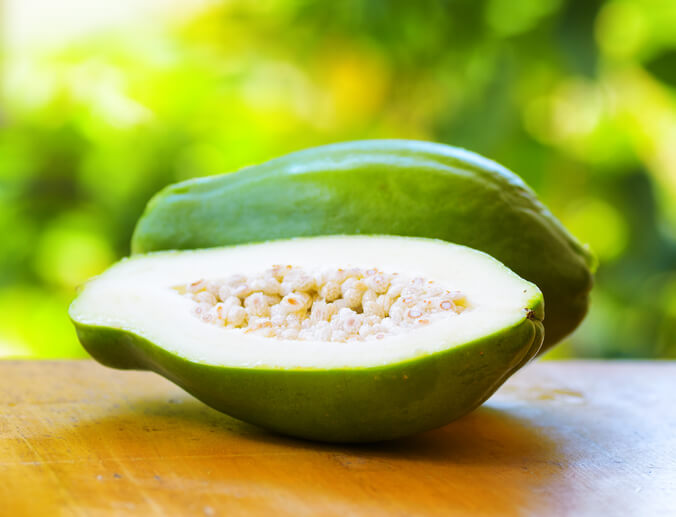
[(344, 301)]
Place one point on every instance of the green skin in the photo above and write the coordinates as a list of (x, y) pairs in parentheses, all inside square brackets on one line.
[(343, 404), (395, 187)]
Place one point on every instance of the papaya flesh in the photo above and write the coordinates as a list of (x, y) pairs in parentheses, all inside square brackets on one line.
[(432, 366), (395, 187)]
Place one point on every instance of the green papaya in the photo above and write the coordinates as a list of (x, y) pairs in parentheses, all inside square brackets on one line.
[(273, 334), (395, 187)]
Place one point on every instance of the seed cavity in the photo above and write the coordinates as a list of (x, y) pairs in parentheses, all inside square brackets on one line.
[(291, 302)]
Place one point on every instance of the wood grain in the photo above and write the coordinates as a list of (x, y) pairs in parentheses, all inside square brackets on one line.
[(561, 438)]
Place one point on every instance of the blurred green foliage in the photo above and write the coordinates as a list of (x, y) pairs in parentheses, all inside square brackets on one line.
[(577, 97)]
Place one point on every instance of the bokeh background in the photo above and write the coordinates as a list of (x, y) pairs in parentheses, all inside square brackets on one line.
[(104, 103)]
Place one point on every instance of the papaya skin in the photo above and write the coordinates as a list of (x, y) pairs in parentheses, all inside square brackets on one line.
[(347, 405), (396, 187)]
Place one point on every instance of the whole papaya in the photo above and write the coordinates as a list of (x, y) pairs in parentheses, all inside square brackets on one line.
[(396, 187)]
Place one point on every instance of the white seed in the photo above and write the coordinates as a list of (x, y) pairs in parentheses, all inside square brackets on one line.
[(306, 334), (385, 301), (271, 287), (396, 312), (265, 329), (446, 305), (230, 302), (289, 334), (345, 312), (395, 288), (323, 331), (255, 323), (350, 283), (294, 321), (434, 290), (369, 296), (266, 285), (205, 297), (379, 283), (221, 314), (371, 320), (338, 335), (257, 304), (285, 288), (303, 282), (296, 301), (217, 319), (374, 308), (212, 287), (352, 324), (257, 284), (196, 287), (236, 316), (278, 312), (411, 291), (349, 320), (242, 291), (338, 276), (408, 300), (320, 311), (202, 308), (336, 306), (235, 280), (352, 298), (224, 292), (284, 308), (330, 291), (414, 313), (276, 272), (365, 331)]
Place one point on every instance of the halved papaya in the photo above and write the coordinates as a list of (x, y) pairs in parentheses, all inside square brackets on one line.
[(335, 338)]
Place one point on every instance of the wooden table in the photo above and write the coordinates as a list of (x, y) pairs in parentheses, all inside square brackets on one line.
[(560, 438)]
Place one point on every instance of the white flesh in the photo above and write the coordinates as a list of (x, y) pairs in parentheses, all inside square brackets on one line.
[(137, 295)]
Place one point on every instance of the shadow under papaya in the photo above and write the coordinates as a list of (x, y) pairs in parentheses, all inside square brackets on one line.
[(490, 461)]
